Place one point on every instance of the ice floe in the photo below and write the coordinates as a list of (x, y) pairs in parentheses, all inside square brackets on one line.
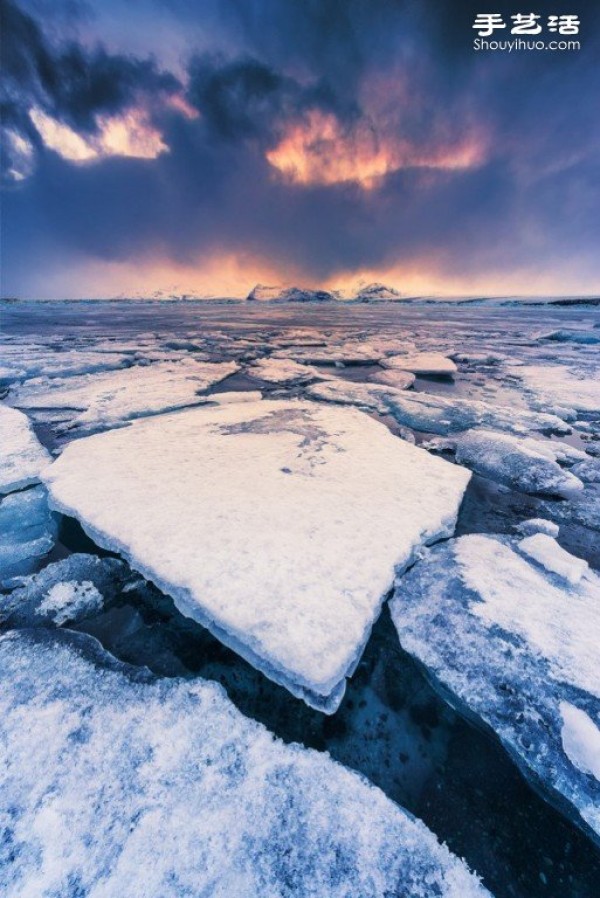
[(22, 455), (103, 400), (512, 639), (117, 784), (284, 371), (422, 363), (278, 525), (521, 464), (432, 413), (65, 591), (27, 533), (20, 362), (400, 380)]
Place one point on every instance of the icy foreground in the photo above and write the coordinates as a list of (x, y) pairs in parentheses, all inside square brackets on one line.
[(109, 398), (278, 525), (511, 629), (116, 784), (21, 454)]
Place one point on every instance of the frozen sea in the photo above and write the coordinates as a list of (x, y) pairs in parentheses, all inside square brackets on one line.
[(290, 434)]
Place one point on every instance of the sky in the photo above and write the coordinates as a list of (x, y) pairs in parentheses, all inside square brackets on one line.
[(158, 147)]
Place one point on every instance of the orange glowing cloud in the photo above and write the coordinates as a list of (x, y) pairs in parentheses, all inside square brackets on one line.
[(128, 134), (320, 150)]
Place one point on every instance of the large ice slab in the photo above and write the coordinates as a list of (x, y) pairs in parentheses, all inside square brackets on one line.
[(278, 525), (431, 413), (117, 784), (22, 455), (106, 399), (511, 629)]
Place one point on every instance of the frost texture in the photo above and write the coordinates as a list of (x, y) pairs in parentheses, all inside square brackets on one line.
[(116, 784), (244, 515), (512, 641)]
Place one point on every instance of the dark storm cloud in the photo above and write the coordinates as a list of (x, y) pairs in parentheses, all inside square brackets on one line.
[(531, 200), (71, 83)]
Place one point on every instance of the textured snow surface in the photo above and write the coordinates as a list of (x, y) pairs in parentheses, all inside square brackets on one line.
[(112, 397), (27, 533), (276, 524), (512, 641), (432, 413), (116, 784), (520, 464), (422, 363), (559, 385), (546, 551), (22, 457)]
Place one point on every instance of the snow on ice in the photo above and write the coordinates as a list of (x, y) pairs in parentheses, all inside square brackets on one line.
[(514, 639), (118, 784), (23, 457), (103, 400), (278, 525)]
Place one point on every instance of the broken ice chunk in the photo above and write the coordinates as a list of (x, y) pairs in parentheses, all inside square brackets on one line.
[(538, 525), (65, 591), (284, 371), (512, 645), (581, 739), (27, 533), (400, 380), (516, 463), (23, 457), (430, 413), (103, 400), (547, 552), (278, 525), (120, 784), (427, 363)]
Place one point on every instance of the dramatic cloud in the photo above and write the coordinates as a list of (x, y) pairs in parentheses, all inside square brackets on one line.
[(317, 141)]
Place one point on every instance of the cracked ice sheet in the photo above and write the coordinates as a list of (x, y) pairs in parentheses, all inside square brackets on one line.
[(513, 640), (557, 385), (22, 455), (278, 525), (121, 784), (103, 400)]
